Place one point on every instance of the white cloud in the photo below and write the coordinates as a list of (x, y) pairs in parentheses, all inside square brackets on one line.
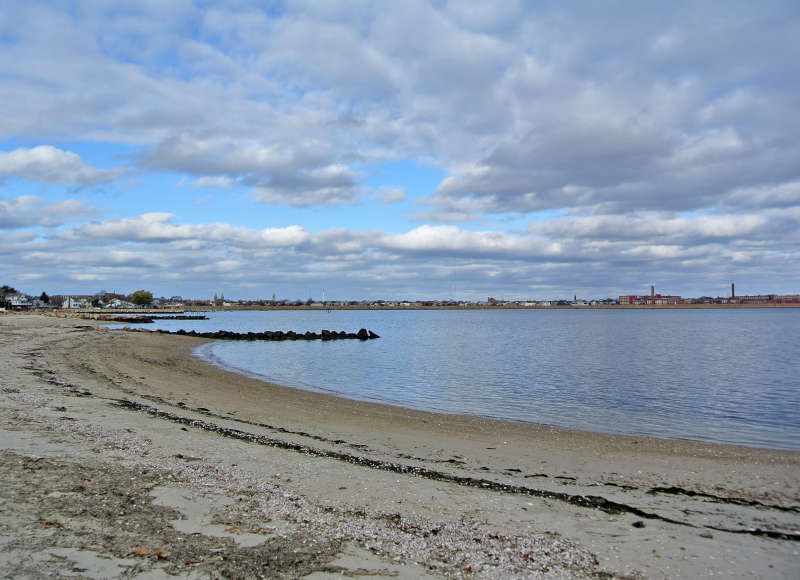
[(216, 181), (390, 195), (29, 210), (288, 236), (274, 100), (296, 175), (766, 195), (327, 185), (86, 276), (653, 252), (435, 239), (47, 164), (221, 267), (423, 262), (159, 227), (654, 227)]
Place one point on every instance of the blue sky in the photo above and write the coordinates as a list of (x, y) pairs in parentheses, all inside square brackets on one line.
[(400, 150)]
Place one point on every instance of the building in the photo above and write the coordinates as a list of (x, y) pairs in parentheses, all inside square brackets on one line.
[(19, 302), (70, 302), (764, 299), (651, 299)]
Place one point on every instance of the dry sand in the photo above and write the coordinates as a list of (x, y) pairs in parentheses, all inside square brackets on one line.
[(124, 456)]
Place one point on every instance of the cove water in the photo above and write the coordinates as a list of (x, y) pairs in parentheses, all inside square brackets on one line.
[(717, 375)]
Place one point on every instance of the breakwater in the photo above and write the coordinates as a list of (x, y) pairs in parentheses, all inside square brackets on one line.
[(362, 334), (151, 319), (181, 317)]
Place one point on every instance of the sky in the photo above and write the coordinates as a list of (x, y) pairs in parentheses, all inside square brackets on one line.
[(400, 150)]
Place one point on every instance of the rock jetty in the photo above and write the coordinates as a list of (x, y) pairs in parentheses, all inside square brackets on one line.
[(141, 318), (362, 334), (128, 319), (181, 317)]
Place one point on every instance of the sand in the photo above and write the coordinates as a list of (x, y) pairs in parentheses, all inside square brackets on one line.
[(125, 456)]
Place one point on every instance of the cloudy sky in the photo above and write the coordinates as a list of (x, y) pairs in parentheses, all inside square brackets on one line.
[(400, 149)]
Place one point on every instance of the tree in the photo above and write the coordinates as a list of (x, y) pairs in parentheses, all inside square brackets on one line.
[(142, 297), (4, 293), (44, 298)]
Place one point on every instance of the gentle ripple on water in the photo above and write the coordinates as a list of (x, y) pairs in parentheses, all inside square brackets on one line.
[(728, 376)]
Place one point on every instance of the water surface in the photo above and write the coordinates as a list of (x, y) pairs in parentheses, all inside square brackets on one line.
[(719, 375)]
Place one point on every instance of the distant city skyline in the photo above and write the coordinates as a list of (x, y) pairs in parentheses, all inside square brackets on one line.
[(105, 298), (412, 150)]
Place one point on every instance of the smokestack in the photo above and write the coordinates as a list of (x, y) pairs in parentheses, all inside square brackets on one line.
[(733, 292), (652, 290)]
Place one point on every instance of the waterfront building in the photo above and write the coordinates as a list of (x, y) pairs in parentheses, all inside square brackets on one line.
[(650, 300)]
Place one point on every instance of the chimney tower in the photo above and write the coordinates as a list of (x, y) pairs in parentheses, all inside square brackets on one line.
[(652, 290), (733, 292)]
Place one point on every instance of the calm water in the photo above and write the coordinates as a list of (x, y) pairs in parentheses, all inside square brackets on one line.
[(728, 376)]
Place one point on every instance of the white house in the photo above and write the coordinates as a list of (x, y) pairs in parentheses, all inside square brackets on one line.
[(19, 302), (71, 302)]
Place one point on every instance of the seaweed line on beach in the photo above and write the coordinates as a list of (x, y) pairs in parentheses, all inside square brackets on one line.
[(589, 501), (586, 501), (104, 509), (672, 490)]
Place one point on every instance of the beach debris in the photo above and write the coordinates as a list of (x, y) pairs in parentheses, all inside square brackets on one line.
[(187, 457)]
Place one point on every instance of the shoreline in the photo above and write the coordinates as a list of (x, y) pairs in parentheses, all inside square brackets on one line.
[(661, 507), (219, 364), (354, 414), (210, 308)]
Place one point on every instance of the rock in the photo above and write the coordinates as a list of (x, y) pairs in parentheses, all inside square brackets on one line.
[(362, 334)]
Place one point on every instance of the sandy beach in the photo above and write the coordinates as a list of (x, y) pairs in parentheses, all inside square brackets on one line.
[(125, 456)]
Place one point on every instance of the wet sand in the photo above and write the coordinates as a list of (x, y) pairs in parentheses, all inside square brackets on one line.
[(378, 490)]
